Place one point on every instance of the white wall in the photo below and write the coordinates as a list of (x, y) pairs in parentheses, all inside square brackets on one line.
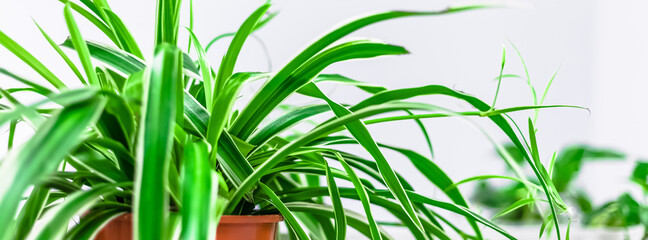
[(598, 44)]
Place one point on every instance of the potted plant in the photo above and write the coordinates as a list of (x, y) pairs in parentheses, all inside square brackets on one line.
[(151, 145), (616, 216)]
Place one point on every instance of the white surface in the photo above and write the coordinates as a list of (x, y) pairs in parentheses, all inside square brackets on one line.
[(600, 44)]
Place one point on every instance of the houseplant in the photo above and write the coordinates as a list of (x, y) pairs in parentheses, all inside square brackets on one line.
[(159, 137), (618, 215)]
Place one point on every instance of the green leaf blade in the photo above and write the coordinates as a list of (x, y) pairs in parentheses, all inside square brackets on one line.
[(80, 46), (340, 217), (30, 60), (156, 135), (287, 214), (229, 60), (196, 191), (46, 149)]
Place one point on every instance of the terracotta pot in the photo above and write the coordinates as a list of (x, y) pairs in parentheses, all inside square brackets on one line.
[(248, 227), (120, 227), (261, 227)]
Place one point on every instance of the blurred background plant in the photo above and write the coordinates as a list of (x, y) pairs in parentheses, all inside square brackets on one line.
[(167, 137), (512, 204)]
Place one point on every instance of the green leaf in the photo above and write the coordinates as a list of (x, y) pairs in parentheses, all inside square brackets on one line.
[(640, 174), (393, 207), (277, 89), (125, 38), (453, 208), (90, 4), (30, 113), (229, 60), (12, 133), (340, 218), (191, 24), (154, 144), (167, 21), (62, 54), (438, 177), (499, 81), (285, 212), (206, 72), (38, 157), (233, 163), (354, 220), (569, 161), (103, 168), (251, 115), (30, 116), (362, 194), (196, 113), (424, 131), (92, 223), (285, 121), (119, 60), (125, 62), (547, 222), (30, 60), (196, 192), (36, 87), (56, 220), (320, 131), (258, 26), (31, 211), (518, 204), (223, 104), (484, 177), (499, 120), (360, 132), (80, 46), (94, 20), (544, 95), (336, 78), (528, 78), (544, 177), (567, 235)]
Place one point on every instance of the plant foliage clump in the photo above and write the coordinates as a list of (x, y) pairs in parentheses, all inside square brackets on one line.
[(159, 136)]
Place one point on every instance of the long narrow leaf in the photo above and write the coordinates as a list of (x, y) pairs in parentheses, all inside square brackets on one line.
[(99, 23), (278, 156), (125, 38), (30, 60), (360, 132), (229, 60), (154, 144), (287, 214), (36, 87), (355, 220), (167, 19), (80, 46), (205, 70), (269, 97), (196, 192), (62, 54), (362, 194), (340, 217), (256, 110), (92, 223), (32, 210), (46, 149), (56, 220)]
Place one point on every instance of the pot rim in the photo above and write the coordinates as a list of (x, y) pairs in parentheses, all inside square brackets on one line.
[(225, 219), (271, 218)]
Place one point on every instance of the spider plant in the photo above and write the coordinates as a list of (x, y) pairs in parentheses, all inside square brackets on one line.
[(513, 202), (158, 135)]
